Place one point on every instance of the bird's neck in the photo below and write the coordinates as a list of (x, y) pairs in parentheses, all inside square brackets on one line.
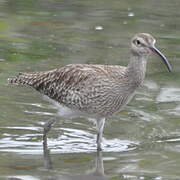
[(136, 69)]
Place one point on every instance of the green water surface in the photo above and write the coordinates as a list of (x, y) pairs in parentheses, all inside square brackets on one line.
[(140, 143)]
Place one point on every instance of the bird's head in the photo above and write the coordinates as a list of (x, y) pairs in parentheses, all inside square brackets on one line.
[(143, 44)]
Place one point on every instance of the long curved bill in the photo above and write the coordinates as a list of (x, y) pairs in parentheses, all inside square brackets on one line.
[(164, 59)]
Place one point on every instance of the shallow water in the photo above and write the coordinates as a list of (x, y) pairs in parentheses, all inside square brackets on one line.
[(141, 142)]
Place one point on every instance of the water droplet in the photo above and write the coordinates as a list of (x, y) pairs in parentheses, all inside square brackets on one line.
[(158, 178), (141, 178), (99, 28), (130, 14)]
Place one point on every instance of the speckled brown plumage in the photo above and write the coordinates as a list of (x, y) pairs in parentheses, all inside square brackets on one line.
[(95, 90), (88, 88)]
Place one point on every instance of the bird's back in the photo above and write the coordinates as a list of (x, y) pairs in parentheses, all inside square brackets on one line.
[(93, 89)]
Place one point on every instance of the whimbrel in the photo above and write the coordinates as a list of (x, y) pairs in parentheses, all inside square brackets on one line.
[(92, 90)]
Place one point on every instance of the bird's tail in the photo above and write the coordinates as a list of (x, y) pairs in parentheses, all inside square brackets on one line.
[(24, 79)]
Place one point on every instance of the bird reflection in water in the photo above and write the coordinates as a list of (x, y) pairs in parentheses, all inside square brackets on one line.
[(96, 174)]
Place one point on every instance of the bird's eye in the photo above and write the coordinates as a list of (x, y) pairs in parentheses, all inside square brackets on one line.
[(138, 42)]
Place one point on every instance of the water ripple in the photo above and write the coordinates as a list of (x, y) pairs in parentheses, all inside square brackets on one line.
[(169, 95), (71, 141)]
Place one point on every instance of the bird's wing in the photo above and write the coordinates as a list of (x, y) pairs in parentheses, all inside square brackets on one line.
[(73, 85)]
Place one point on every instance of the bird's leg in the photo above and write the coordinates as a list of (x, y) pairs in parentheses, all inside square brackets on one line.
[(46, 151), (47, 127), (100, 127)]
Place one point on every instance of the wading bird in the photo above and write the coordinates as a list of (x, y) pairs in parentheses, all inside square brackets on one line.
[(91, 90)]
